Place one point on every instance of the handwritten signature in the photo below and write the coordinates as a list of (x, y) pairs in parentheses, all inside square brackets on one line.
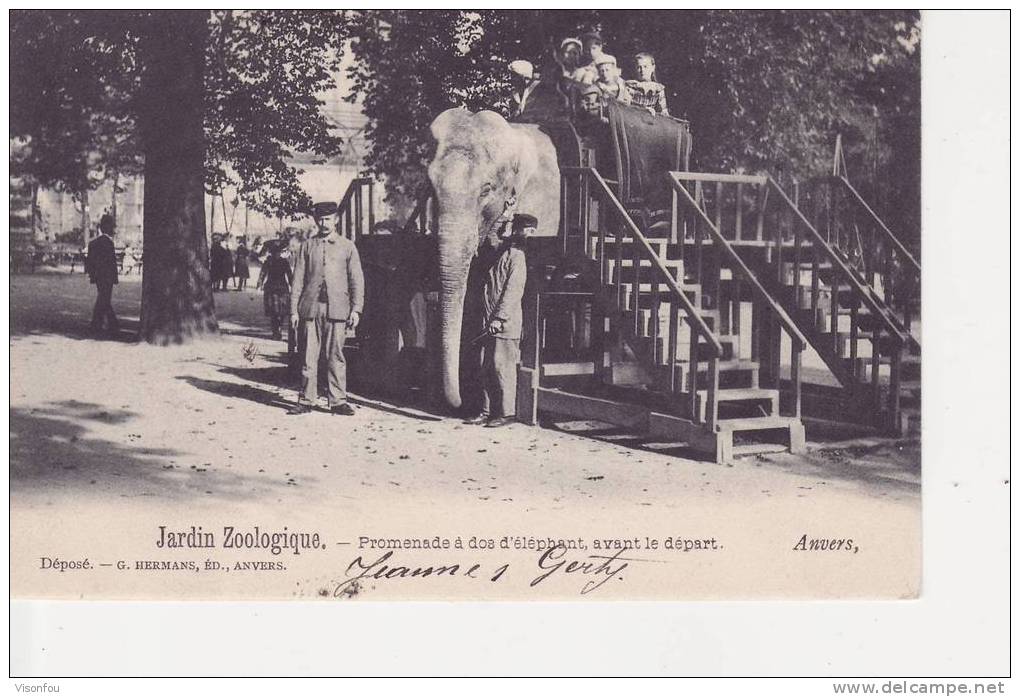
[(595, 569)]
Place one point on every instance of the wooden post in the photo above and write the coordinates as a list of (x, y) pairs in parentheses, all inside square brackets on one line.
[(603, 258), (692, 382), (718, 206), (894, 388), (834, 316), (712, 404), (618, 269), (739, 222), (763, 197), (564, 225), (775, 350), (654, 329), (371, 205), (876, 363), (636, 288), (854, 333), (673, 222), (358, 212), (795, 375), (815, 282), (674, 328)]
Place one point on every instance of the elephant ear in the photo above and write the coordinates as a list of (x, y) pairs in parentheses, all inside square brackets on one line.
[(449, 122), (507, 146)]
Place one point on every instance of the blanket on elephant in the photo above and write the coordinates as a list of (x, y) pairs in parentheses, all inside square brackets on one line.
[(647, 146)]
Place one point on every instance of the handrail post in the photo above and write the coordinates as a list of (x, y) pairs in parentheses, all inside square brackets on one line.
[(795, 366), (739, 222), (357, 210), (854, 334), (635, 296), (712, 405), (894, 388), (564, 225), (371, 205), (539, 339), (674, 328), (876, 366), (673, 222), (692, 382)]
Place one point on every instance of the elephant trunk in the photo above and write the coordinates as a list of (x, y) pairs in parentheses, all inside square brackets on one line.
[(456, 248)]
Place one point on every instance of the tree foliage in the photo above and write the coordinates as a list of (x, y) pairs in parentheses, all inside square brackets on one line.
[(410, 65), (75, 85), (763, 90), (265, 74)]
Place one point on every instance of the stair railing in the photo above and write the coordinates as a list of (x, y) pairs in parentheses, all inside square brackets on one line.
[(692, 202), (888, 255), (424, 218), (610, 210), (356, 210), (859, 234), (808, 241)]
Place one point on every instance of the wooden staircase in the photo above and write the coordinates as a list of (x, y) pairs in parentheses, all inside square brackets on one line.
[(844, 306), (662, 343)]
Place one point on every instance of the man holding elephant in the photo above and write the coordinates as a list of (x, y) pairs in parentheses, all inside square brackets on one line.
[(504, 317)]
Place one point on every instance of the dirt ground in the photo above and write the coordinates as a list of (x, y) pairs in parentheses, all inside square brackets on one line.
[(111, 439)]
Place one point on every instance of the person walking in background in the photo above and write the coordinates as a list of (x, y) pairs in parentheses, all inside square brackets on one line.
[(504, 318), (326, 298), (101, 266), (274, 280), (220, 264), (241, 265), (645, 92)]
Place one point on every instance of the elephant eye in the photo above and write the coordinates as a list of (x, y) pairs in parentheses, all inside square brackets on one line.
[(486, 190)]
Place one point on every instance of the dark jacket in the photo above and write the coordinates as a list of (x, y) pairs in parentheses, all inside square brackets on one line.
[(504, 291), (101, 262), (275, 275), (335, 261), (221, 262)]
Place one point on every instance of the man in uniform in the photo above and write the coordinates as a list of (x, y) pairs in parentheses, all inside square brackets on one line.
[(504, 317), (101, 265), (327, 297)]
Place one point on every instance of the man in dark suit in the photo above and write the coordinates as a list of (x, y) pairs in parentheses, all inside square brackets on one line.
[(327, 296), (101, 265)]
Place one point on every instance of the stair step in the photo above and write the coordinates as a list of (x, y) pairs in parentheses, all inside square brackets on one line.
[(646, 263), (742, 394), (740, 402), (647, 288), (762, 423), (748, 449), (558, 369), (731, 365)]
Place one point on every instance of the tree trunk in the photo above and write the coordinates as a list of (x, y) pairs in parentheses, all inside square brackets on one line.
[(177, 301)]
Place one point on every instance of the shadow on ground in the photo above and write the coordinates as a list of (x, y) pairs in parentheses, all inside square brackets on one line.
[(53, 451)]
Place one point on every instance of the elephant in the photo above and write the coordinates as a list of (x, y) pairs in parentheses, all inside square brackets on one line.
[(483, 171)]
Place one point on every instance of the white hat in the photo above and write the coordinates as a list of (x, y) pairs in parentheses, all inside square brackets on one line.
[(604, 58), (523, 68), (570, 40)]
